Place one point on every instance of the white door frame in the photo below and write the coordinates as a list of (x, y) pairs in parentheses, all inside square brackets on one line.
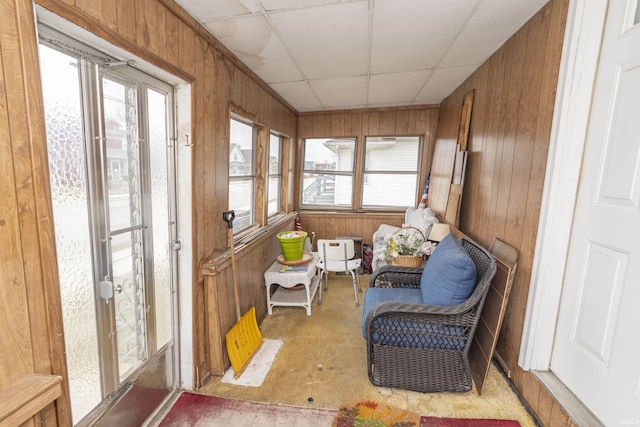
[(578, 67), (184, 189)]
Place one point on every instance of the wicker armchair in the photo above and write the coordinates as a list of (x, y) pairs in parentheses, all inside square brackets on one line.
[(424, 347)]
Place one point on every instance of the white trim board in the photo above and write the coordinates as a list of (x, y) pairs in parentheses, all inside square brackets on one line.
[(581, 49)]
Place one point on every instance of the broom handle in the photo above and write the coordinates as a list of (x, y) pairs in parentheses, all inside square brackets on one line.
[(228, 216)]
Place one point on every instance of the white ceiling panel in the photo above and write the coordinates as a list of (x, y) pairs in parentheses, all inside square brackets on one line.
[(488, 29), (341, 92), (248, 35), (325, 54), (252, 40), (396, 88), (326, 41), (299, 95), (443, 81), (271, 5), (205, 10), (412, 35)]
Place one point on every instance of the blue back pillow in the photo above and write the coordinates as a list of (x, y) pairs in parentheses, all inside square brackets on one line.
[(449, 276)]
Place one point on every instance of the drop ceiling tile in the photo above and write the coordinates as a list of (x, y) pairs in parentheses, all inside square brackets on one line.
[(412, 35), (252, 40), (298, 94), (494, 22), (206, 10), (295, 45), (248, 35), (275, 64), (341, 92), (442, 82), (327, 41), (295, 4), (396, 88)]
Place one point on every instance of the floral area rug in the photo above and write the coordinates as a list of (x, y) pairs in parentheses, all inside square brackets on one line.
[(367, 413), (197, 410)]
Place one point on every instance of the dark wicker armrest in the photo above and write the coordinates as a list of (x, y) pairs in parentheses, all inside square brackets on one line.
[(391, 276)]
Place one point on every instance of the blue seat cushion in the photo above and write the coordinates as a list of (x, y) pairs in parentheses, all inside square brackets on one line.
[(375, 296), (449, 276)]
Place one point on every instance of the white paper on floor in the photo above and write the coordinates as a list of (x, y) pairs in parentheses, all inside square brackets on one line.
[(258, 366)]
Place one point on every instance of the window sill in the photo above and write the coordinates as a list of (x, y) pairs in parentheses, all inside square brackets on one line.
[(247, 239)]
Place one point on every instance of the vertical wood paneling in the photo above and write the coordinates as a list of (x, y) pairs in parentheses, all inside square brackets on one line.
[(414, 121), (388, 123), (157, 31), (16, 362), (48, 343), (187, 41), (516, 66), (508, 142), (172, 40), (328, 226), (126, 16), (421, 121), (29, 302), (373, 123)]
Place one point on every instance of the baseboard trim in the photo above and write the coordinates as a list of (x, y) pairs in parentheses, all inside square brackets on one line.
[(519, 395), (579, 413)]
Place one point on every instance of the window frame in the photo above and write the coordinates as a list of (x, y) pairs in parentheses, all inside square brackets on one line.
[(359, 174), (336, 173), (244, 177), (270, 175), (365, 173)]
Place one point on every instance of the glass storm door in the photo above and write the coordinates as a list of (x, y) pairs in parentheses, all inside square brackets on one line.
[(112, 180)]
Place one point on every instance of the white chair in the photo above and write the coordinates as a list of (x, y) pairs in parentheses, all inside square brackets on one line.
[(338, 256)]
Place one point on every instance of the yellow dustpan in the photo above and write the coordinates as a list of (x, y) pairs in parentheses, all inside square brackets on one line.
[(244, 338)]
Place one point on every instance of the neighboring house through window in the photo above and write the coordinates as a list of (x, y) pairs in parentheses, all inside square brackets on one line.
[(242, 173), (327, 178), (387, 179), (391, 171)]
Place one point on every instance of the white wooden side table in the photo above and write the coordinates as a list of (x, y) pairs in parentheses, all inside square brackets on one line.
[(304, 274)]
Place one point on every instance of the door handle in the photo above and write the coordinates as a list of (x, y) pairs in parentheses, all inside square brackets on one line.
[(107, 288)]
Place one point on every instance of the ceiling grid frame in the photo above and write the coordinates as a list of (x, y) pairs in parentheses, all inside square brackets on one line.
[(294, 45)]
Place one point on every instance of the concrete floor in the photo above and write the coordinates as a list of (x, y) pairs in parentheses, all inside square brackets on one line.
[(322, 364)]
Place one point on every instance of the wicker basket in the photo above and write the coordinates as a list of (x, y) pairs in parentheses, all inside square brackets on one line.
[(407, 261)]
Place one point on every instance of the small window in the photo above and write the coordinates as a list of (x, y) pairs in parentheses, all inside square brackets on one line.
[(391, 171), (274, 174), (242, 173), (327, 178)]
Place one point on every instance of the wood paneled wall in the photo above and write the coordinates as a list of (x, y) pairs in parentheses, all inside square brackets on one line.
[(398, 121), (416, 121), (161, 33), (508, 147), (31, 334), (330, 225)]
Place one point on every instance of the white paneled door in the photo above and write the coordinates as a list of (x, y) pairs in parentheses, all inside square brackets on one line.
[(597, 343)]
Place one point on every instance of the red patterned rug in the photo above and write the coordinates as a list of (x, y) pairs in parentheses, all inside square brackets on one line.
[(199, 410)]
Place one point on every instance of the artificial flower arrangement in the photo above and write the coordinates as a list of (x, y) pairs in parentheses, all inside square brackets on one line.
[(407, 242)]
